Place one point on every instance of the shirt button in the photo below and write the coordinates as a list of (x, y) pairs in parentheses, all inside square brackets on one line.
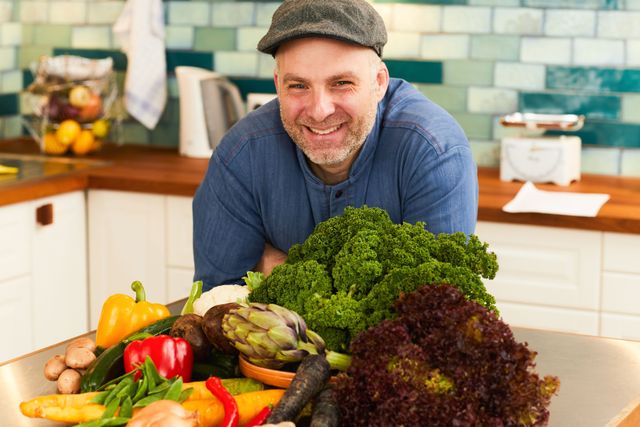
[(338, 194)]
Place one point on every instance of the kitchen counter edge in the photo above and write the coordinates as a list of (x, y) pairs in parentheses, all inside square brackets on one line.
[(161, 170)]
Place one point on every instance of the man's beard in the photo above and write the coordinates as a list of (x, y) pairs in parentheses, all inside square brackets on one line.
[(357, 132)]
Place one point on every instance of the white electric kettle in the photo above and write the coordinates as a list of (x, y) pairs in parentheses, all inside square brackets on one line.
[(209, 105)]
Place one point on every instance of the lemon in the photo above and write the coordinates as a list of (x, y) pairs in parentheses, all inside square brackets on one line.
[(83, 143), (100, 128), (68, 131), (52, 145)]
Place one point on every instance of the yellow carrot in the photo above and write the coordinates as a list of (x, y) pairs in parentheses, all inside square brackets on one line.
[(40, 406), (77, 408), (211, 412)]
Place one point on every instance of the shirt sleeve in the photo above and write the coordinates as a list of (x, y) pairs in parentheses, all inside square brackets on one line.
[(228, 237), (443, 192)]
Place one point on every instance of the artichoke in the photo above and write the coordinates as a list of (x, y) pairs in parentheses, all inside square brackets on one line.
[(271, 336)]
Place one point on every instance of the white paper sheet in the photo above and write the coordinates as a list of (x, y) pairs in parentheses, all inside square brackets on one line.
[(530, 199)]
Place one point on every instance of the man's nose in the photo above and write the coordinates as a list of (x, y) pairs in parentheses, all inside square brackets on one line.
[(320, 105)]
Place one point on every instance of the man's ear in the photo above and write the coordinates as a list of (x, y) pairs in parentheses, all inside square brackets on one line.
[(275, 81), (382, 80)]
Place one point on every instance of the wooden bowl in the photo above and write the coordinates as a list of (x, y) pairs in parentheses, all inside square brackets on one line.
[(271, 377)]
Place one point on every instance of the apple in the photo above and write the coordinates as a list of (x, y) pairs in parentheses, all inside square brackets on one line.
[(92, 109), (79, 96)]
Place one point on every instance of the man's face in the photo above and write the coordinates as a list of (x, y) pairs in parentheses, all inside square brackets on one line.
[(328, 92)]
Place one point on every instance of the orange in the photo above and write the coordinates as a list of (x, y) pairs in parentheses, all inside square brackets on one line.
[(83, 143), (52, 145), (68, 131)]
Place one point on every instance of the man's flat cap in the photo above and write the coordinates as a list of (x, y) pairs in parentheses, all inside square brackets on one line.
[(354, 21)]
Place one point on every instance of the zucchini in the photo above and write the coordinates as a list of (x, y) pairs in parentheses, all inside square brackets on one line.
[(110, 363)]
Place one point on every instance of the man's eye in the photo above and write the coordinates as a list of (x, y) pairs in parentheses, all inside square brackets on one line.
[(296, 86), (343, 83)]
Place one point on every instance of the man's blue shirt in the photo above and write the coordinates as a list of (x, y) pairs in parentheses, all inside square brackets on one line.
[(416, 164)]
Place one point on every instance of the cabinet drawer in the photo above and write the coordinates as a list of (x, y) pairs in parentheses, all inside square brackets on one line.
[(620, 326), (621, 292), (620, 252), (16, 225), (550, 318), (544, 265)]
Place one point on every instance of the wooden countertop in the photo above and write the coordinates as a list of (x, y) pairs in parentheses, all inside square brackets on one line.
[(158, 170)]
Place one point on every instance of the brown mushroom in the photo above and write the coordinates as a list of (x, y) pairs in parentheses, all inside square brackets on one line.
[(54, 367), (69, 381), (78, 357), (83, 342)]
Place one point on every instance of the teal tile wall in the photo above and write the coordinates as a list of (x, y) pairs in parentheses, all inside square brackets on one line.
[(594, 79), (9, 104), (607, 134), (591, 106), (449, 49)]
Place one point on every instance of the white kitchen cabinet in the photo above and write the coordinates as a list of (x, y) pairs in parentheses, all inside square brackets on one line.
[(138, 236), (180, 267), (43, 273), (620, 317), (126, 243), (548, 277)]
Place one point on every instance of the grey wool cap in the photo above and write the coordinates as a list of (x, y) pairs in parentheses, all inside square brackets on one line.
[(354, 21)]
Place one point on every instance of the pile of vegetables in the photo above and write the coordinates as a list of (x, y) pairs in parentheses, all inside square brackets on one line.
[(442, 361), (399, 316), (345, 277)]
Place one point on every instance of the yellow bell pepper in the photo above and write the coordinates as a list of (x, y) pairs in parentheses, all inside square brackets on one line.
[(122, 315)]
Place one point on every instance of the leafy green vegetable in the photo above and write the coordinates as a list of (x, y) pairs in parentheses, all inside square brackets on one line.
[(345, 277)]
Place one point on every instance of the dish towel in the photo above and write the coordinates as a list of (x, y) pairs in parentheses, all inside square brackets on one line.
[(530, 199), (140, 30)]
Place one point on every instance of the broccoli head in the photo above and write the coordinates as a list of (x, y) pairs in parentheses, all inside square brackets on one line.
[(443, 361), (345, 277)]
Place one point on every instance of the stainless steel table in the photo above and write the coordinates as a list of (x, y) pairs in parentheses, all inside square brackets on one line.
[(599, 378)]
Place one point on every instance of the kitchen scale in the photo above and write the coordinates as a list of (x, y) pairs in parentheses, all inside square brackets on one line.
[(541, 159)]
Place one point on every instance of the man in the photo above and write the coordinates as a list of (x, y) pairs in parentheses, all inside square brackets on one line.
[(341, 133)]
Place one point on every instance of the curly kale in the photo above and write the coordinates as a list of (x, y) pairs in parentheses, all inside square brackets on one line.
[(443, 361), (345, 277)]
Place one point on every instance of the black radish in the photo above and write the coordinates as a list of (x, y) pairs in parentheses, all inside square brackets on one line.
[(311, 377)]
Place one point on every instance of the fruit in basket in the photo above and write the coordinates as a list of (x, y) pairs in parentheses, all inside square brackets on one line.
[(92, 109), (54, 108), (52, 145), (68, 131), (100, 128), (79, 96), (84, 143)]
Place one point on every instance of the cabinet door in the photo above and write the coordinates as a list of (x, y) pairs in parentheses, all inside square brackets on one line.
[(126, 243), (180, 268), (545, 265), (60, 270), (16, 228), (179, 281), (15, 317), (179, 232)]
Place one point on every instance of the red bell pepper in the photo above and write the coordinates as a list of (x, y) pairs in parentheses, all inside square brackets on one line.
[(172, 356)]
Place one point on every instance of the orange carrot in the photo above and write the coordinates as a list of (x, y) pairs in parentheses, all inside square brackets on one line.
[(211, 412)]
